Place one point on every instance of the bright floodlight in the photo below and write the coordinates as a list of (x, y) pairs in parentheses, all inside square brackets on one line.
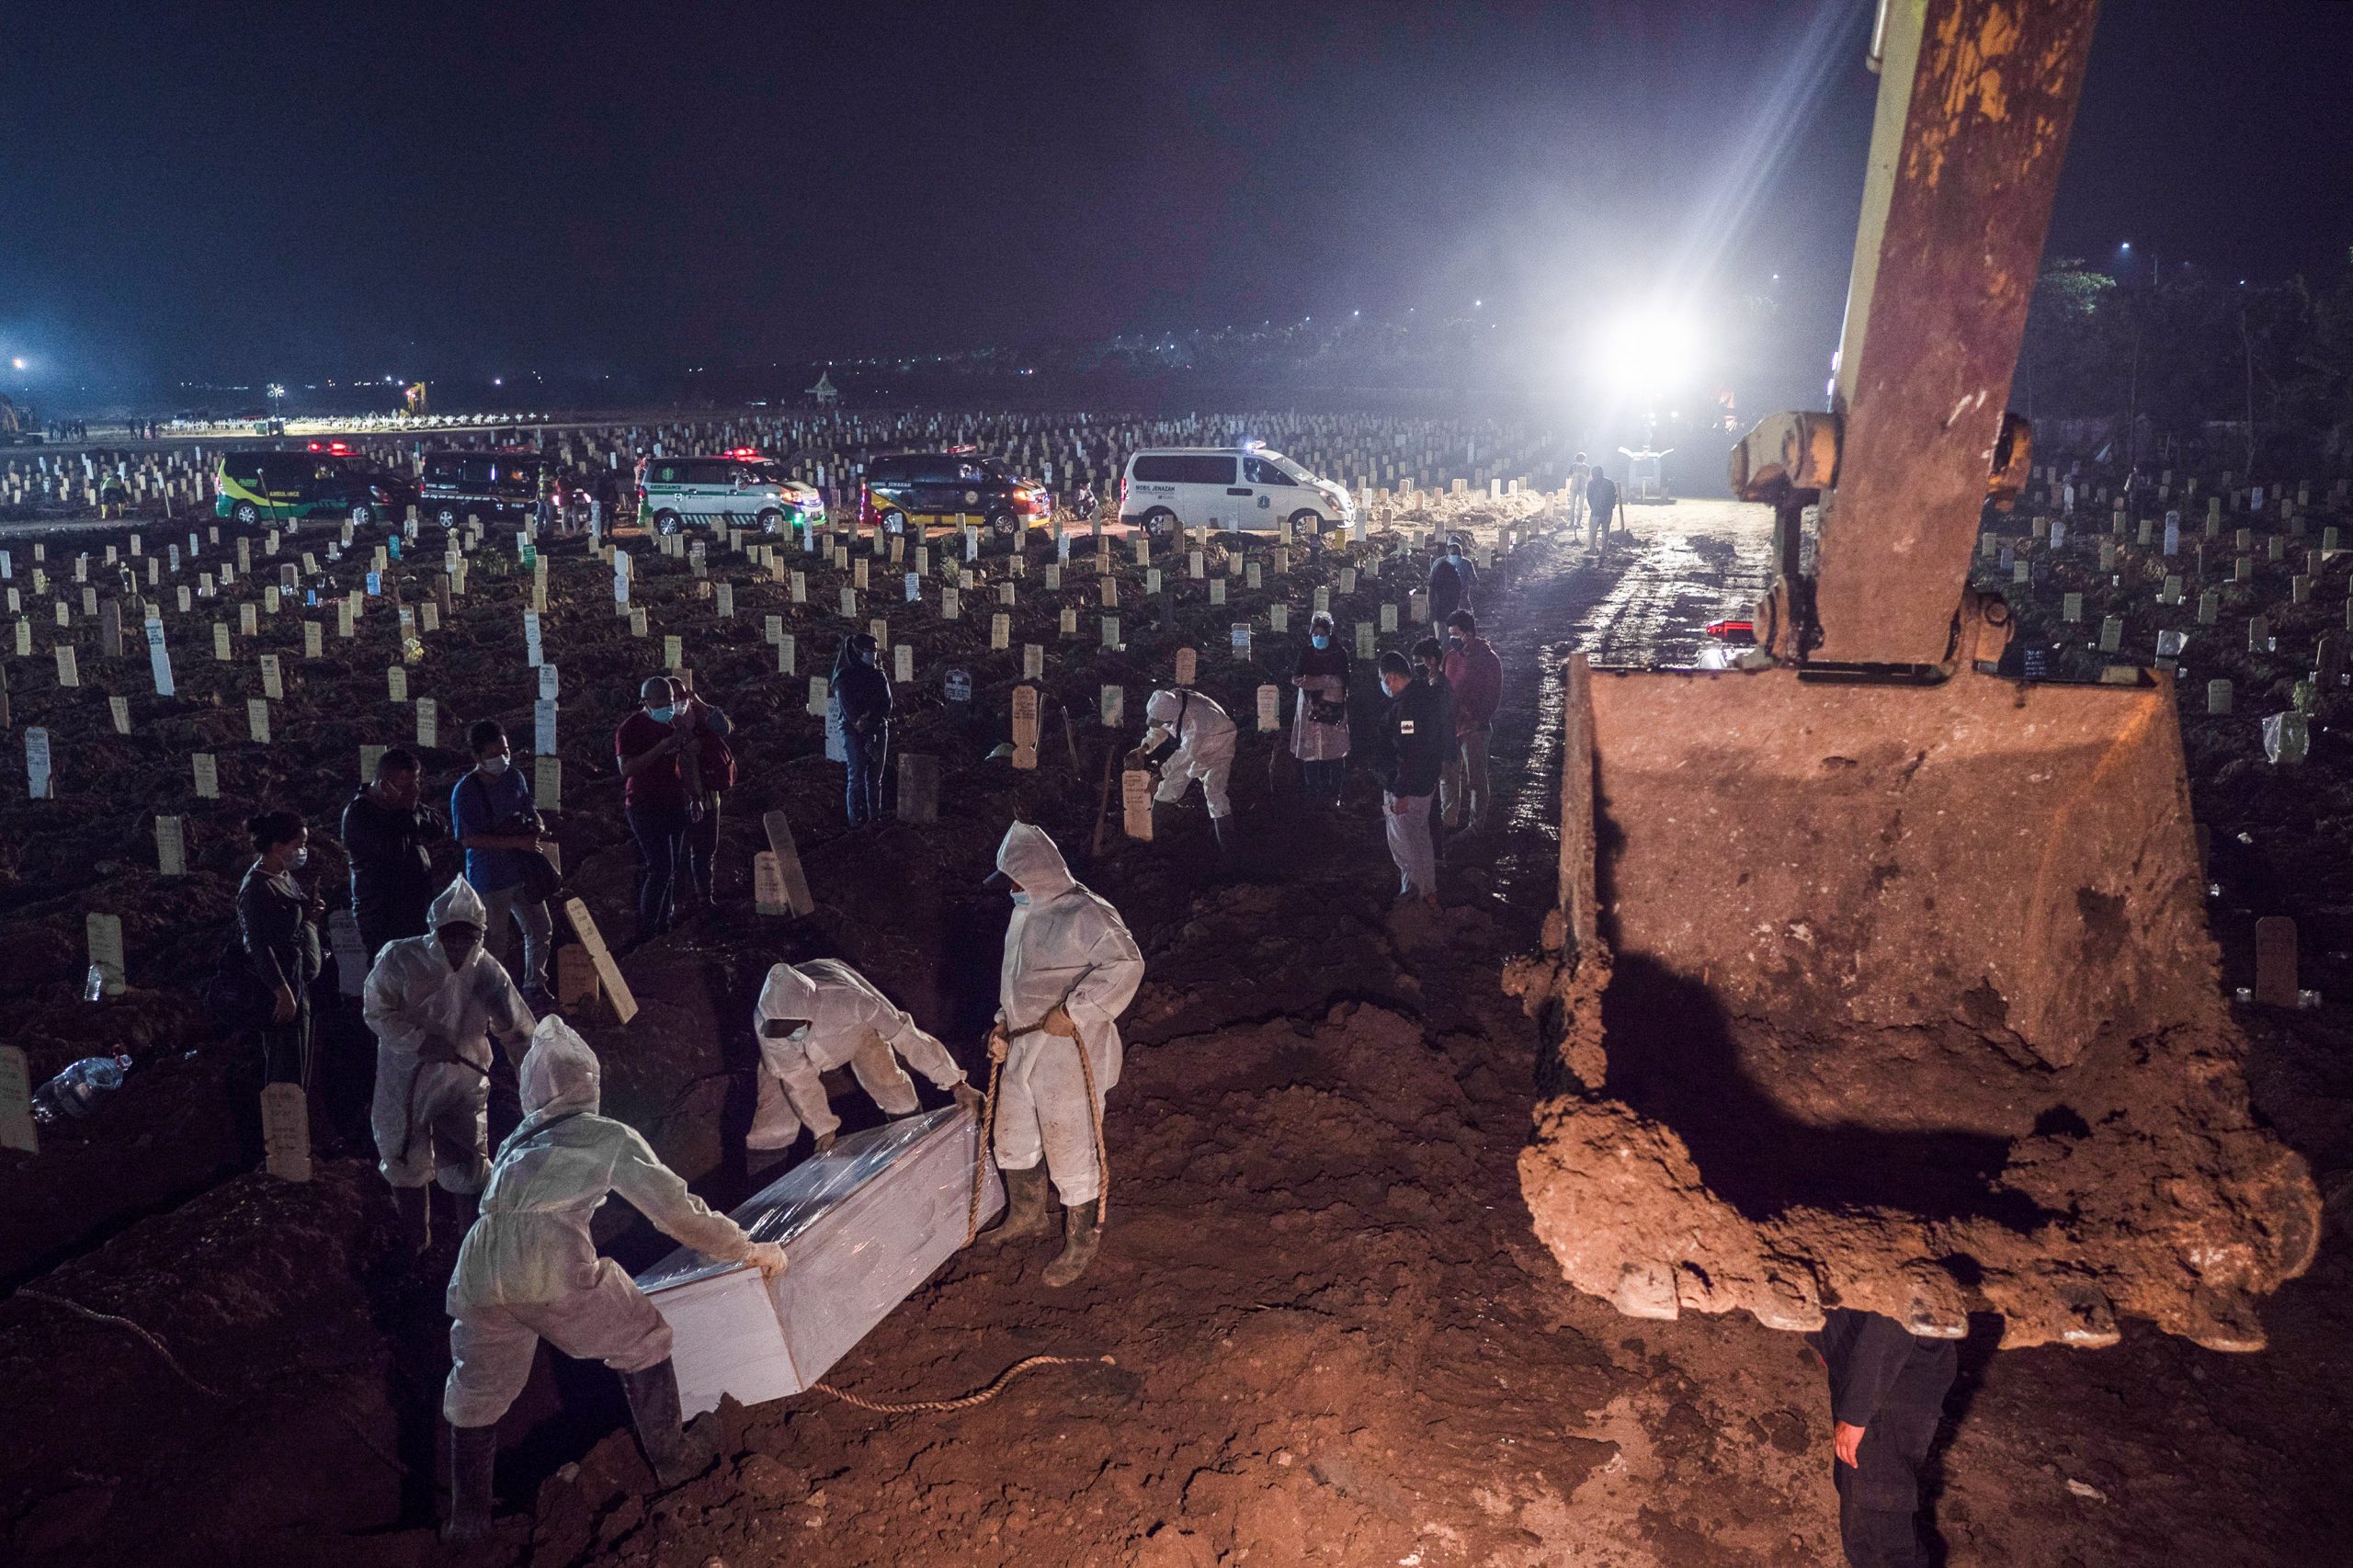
[(18, 361), (1646, 352)]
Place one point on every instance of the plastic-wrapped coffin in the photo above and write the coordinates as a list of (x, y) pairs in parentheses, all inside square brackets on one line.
[(864, 1224)]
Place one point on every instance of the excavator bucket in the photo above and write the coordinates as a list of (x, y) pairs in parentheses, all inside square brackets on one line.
[(1883, 982), (1898, 998)]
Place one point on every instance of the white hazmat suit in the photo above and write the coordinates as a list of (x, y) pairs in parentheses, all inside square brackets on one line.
[(1066, 946), (529, 1268), (847, 1021), (431, 1120), (1205, 743)]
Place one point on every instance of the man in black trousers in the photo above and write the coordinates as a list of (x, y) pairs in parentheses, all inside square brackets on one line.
[(1887, 1393)]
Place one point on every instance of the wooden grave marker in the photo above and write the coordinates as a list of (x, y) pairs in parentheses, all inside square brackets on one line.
[(617, 989), (787, 858)]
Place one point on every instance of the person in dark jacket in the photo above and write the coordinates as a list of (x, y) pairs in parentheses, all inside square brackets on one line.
[(865, 694), (389, 834), (1887, 1393), (1414, 734), (1601, 495), (1452, 577), (710, 762), (278, 925)]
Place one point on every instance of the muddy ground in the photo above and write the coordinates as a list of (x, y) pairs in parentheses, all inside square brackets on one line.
[(1334, 1337)]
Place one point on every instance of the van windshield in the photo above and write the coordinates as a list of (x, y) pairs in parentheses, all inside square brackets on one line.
[(1288, 467)]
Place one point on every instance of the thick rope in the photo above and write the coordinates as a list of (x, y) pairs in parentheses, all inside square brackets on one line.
[(28, 1292), (1094, 1110), (988, 1124), (883, 1407)]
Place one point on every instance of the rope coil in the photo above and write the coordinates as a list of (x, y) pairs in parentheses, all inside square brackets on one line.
[(32, 1293), (902, 1407)]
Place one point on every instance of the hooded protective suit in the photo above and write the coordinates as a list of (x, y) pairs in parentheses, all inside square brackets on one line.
[(1065, 947), (529, 1268), (431, 1120), (1204, 747), (848, 1021)]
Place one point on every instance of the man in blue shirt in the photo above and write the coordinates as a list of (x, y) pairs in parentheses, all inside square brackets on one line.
[(492, 814)]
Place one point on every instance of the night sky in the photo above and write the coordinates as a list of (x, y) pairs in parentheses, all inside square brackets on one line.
[(215, 191)]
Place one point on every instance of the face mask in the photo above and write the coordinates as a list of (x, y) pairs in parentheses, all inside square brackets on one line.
[(301, 857), (1454, 555), (1022, 899), (1321, 641), (871, 656), (494, 766), (661, 715), (798, 1035)]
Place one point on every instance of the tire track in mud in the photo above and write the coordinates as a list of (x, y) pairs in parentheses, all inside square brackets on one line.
[(1646, 604)]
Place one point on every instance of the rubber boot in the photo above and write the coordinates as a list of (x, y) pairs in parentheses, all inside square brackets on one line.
[(675, 1455), (1082, 1235), (1025, 1206), (473, 1451), (414, 1204)]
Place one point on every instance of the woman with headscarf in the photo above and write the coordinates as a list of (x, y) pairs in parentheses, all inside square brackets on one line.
[(278, 925), (1319, 726)]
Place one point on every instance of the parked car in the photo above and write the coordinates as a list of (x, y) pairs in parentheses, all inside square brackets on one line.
[(496, 484), (930, 491), (257, 487), (726, 491), (1244, 489)]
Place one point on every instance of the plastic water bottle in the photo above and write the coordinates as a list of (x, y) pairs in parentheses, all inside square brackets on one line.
[(73, 1092)]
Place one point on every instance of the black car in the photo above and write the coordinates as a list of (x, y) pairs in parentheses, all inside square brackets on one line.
[(497, 484), (931, 490)]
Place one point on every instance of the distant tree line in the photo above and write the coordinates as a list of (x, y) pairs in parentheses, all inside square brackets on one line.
[(2190, 367)]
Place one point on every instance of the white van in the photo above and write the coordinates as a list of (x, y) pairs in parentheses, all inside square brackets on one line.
[(1244, 489), (734, 490)]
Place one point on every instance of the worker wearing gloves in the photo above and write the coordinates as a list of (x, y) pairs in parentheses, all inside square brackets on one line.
[(529, 1271), (818, 1016), (433, 1001), (1191, 737), (1070, 971), (1887, 1393)]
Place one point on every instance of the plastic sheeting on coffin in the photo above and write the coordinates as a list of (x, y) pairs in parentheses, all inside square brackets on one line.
[(863, 1224)]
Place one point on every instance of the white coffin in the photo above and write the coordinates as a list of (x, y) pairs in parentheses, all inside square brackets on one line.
[(864, 1224)]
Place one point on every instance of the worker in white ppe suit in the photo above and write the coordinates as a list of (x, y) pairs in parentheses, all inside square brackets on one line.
[(434, 1002), (1204, 739), (814, 1016), (1071, 969), (529, 1271)]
